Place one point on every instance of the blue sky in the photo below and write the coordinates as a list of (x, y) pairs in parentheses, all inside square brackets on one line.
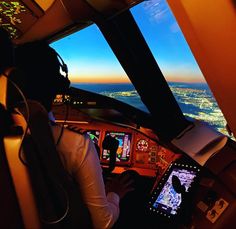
[(89, 58)]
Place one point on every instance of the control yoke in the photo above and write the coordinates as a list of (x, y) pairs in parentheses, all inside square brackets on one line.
[(110, 143)]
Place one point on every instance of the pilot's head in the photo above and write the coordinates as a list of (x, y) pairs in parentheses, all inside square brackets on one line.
[(41, 72), (6, 50)]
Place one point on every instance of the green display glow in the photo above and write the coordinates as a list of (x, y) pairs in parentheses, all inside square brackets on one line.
[(10, 12)]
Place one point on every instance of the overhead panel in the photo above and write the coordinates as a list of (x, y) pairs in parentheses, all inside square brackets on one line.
[(17, 17)]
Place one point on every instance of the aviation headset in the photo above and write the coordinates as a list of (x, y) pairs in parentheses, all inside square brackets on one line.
[(62, 83), (44, 72)]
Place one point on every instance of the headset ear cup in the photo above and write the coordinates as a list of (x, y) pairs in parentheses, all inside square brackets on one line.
[(62, 85), (64, 68)]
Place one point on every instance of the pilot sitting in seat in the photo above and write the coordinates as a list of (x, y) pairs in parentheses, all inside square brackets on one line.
[(41, 81)]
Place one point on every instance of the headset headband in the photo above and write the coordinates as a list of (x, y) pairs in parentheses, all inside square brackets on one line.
[(64, 67)]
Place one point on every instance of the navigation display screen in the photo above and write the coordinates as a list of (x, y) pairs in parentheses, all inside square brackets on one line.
[(165, 200), (123, 151)]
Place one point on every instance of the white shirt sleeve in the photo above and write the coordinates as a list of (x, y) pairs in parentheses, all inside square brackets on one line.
[(80, 158)]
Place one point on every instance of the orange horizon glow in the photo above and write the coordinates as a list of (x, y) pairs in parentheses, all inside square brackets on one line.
[(99, 79), (185, 79), (125, 79), (96, 80)]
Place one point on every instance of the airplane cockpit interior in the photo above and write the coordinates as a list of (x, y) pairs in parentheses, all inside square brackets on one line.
[(159, 77)]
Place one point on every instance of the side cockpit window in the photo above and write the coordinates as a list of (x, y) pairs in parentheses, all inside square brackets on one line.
[(177, 63), (93, 66)]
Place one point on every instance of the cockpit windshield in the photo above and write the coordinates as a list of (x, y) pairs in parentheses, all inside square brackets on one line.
[(94, 67)]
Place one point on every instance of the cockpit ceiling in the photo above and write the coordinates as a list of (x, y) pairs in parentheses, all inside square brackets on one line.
[(28, 20)]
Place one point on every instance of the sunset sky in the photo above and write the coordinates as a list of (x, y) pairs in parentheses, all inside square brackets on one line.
[(89, 58)]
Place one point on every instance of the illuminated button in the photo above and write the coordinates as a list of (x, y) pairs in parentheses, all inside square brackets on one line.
[(154, 148), (152, 153), (91, 103), (152, 160)]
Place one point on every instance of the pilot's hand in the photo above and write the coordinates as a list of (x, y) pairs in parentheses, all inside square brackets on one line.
[(121, 185)]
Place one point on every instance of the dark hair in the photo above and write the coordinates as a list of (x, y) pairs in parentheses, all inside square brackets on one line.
[(40, 68), (6, 50)]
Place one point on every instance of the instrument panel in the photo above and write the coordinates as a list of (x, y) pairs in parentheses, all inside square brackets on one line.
[(138, 146), (138, 149)]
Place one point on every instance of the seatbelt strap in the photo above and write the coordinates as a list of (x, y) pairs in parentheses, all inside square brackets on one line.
[(20, 177), (3, 92), (18, 170)]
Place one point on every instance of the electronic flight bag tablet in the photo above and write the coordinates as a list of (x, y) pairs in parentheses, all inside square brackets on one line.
[(172, 193)]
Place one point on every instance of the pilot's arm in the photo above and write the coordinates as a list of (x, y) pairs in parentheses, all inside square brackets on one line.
[(80, 158), (104, 209)]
